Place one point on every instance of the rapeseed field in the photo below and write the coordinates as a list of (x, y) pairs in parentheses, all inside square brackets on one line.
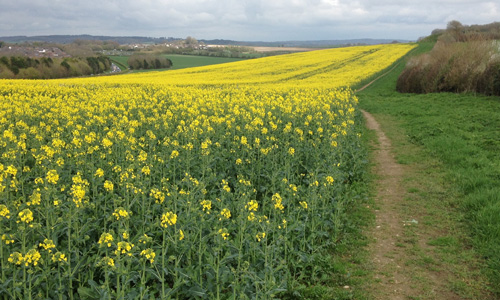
[(217, 182)]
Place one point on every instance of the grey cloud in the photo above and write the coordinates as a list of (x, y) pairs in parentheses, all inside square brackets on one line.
[(242, 19)]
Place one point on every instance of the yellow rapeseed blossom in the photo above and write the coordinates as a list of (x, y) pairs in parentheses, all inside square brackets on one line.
[(181, 235), (47, 245), (124, 248), (278, 202), (105, 239), (207, 205), (108, 262), (225, 213), (252, 205), (7, 239), (224, 233), (167, 219), (303, 204), (260, 236), (4, 211), (144, 239), (174, 154), (35, 198), (149, 254), (52, 176), (108, 186), (31, 258), (26, 216), (16, 258), (59, 257), (99, 172), (121, 213)]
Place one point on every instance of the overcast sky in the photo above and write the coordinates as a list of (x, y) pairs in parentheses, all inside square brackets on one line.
[(243, 20)]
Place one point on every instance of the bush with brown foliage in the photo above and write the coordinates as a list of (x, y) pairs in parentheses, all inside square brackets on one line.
[(461, 61)]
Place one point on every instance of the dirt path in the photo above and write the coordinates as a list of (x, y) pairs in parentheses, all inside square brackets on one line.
[(405, 265), (388, 259)]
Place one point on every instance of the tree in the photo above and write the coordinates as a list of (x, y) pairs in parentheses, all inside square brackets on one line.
[(456, 29), (191, 41)]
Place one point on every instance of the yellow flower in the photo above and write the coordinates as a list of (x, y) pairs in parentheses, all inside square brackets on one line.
[(283, 224), (108, 261), (107, 143), (181, 235), (26, 216), (31, 258), (251, 217), (207, 205), (121, 213), (260, 236), (225, 213), (47, 245), (105, 239), (145, 170), (303, 204), (11, 170), (99, 172), (4, 211), (167, 219), (291, 151), (125, 235), (124, 248), (8, 239), (174, 154), (16, 258), (278, 202), (239, 161), (158, 195), (144, 239), (108, 186), (52, 176), (329, 179), (35, 198), (224, 233), (59, 257), (252, 205), (149, 254)]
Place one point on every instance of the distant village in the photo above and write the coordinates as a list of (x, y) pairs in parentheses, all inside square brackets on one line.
[(34, 52)]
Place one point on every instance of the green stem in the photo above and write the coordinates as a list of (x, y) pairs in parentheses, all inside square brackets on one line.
[(163, 254), (60, 283), (69, 256)]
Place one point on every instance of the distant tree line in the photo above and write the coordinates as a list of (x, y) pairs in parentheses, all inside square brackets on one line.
[(20, 67), (148, 61), (463, 59)]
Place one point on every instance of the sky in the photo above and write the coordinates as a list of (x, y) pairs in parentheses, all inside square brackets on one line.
[(243, 20)]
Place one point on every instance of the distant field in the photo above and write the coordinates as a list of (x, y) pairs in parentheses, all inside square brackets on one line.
[(286, 49), (183, 61)]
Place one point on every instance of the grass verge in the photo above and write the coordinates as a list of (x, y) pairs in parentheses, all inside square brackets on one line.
[(450, 144)]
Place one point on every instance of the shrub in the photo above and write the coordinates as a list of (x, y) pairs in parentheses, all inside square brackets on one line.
[(452, 67)]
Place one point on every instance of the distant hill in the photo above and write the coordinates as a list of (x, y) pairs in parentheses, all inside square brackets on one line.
[(66, 39), (307, 44)]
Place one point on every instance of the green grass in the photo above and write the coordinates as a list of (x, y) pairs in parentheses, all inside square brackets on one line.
[(180, 61), (461, 134)]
